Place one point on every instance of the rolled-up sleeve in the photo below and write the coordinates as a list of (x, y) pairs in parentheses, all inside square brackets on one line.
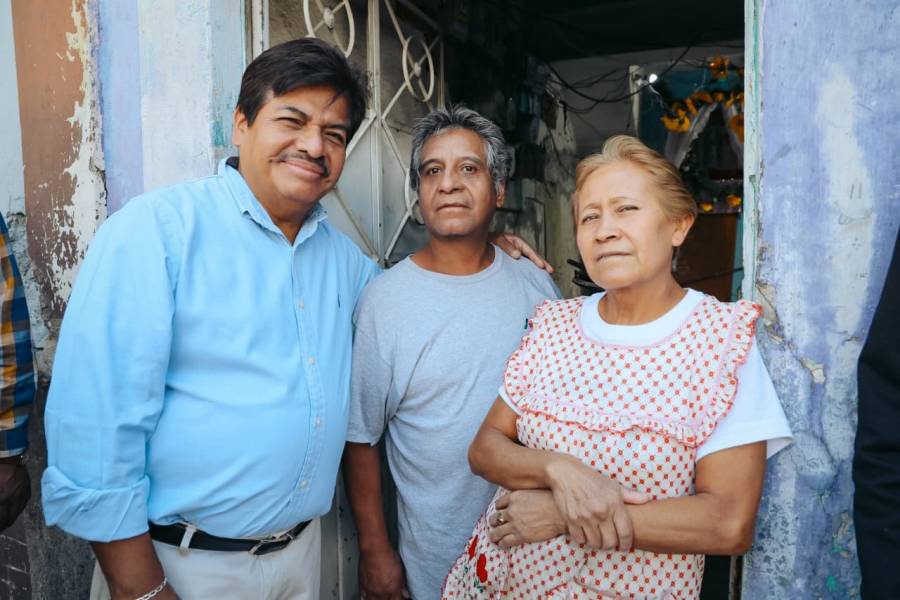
[(109, 374)]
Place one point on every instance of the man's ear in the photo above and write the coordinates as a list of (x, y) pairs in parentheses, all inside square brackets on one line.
[(239, 127), (682, 227), (501, 195)]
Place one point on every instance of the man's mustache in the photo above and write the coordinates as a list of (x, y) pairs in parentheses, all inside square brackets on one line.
[(319, 162)]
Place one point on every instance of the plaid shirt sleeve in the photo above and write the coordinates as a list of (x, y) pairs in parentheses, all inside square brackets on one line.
[(16, 364)]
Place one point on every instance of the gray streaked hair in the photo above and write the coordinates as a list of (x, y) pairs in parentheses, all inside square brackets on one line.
[(496, 152)]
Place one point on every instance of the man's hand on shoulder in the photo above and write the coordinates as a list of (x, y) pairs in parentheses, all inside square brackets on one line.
[(15, 490), (516, 247), (381, 576)]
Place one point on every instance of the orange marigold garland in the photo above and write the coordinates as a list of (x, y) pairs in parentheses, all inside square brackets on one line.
[(737, 125), (733, 200), (719, 67), (679, 114), (677, 119)]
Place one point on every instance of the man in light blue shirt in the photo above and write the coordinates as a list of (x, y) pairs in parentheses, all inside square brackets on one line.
[(202, 371)]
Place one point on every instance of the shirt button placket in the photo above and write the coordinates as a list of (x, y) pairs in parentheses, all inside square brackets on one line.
[(303, 340)]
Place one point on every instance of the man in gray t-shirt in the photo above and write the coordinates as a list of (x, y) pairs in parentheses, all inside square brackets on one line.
[(432, 338)]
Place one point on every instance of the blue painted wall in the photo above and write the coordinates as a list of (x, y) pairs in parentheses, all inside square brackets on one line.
[(120, 94), (828, 207)]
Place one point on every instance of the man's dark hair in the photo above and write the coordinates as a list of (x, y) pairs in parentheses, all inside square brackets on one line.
[(302, 62)]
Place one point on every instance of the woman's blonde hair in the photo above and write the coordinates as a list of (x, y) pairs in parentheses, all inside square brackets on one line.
[(675, 198)]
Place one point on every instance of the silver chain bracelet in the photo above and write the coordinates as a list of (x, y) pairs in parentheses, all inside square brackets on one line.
[(155, 591)]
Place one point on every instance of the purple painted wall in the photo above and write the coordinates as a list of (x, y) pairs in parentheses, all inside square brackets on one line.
[(120, 94), (828, 202)]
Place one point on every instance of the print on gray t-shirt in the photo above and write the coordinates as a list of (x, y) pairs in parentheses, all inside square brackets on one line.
[(428, 356)]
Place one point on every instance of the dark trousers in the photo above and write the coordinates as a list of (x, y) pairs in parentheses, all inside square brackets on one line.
[(876, 462)]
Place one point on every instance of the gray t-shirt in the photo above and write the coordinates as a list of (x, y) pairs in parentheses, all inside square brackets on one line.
[(428, 357)]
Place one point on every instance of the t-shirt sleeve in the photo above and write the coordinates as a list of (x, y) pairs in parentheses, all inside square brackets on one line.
[(367, 270), (522, 365), (548, 286), (756, 414), (372, 403)]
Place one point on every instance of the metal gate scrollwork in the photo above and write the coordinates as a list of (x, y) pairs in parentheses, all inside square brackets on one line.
[(328, 20), (403, 55)]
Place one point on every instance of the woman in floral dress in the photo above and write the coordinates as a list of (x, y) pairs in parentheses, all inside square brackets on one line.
[(634, 424)]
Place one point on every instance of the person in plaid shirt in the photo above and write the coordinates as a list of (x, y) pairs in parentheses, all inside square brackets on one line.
[(16, 386)]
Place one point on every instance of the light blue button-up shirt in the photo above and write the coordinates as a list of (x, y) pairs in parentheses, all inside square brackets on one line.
[(202, 369)]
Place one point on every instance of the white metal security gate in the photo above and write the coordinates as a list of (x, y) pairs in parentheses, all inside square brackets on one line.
[(400, 47)]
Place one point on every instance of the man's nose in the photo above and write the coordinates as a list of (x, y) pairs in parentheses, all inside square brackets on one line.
[(449, 181), (311, 141)]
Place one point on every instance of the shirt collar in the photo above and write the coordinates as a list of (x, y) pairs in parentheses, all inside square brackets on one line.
[(250, 206)]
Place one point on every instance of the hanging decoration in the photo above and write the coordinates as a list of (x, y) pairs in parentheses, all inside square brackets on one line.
[(720, 89)]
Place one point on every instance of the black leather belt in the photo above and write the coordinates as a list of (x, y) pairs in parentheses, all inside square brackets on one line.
[(173, 534)]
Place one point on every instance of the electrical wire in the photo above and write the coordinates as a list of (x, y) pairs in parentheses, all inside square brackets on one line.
[(607, 100)]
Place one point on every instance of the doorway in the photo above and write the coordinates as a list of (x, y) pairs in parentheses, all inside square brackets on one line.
[(559, 78)]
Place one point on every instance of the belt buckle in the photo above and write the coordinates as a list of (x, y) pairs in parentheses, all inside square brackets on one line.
[(271, 545)]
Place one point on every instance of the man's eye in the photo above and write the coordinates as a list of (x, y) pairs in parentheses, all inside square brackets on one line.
[(290, 122), (336, 137)]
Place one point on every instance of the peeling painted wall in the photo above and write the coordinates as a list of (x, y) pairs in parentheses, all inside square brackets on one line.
[(169, 77), (825, 182), (166, 75), (118, 60), (64, 201), (60, 144)]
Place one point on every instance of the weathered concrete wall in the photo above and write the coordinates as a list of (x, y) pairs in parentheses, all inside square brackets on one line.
[(64, 201), (12, 183), (823, 176), (548, 212), (119, 68), (169, 78), (59, 114), (191, 56), (166, 75)]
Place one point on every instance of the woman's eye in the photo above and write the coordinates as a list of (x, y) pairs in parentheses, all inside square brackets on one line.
[(432, 171), (468, 169), (627, 207), (588, 218)]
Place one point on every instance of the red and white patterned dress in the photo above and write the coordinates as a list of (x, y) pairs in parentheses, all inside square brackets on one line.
[(637, 414)]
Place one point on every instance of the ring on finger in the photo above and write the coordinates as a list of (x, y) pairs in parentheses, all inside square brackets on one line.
[(500, 518)]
